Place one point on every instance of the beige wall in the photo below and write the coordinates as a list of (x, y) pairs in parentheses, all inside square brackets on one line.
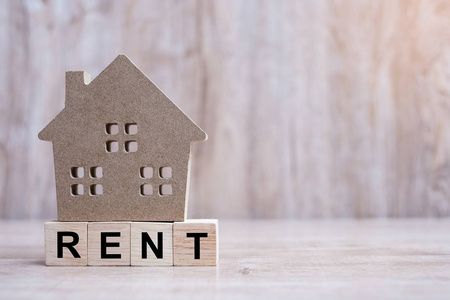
[(313, 108)]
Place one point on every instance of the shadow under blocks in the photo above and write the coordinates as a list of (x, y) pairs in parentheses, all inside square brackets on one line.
[(120, 127)]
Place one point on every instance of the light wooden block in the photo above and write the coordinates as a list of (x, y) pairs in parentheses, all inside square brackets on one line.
[(109, 243), (144, 235), (66, 243), (185, 235)]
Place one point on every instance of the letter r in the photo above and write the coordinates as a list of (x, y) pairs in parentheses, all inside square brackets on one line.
[(70, 246)]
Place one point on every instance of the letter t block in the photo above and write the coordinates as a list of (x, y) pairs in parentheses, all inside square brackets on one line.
[(66, 243), (195, 243)]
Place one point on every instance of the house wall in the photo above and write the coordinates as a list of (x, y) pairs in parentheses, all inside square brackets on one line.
[(121, 196), (313, 108), (95, 132)]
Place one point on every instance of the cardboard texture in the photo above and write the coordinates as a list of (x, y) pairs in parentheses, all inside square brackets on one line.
[(109, 243), (195, 243), (161, 237), (66, 243), (121, 148)]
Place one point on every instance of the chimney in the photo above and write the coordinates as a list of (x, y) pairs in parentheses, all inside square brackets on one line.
[(75, 84)]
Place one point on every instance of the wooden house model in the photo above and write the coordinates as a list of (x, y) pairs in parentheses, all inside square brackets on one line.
[(121, 148)]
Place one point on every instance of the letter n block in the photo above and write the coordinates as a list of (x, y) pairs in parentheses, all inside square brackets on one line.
[(151, 244), (195, 243), (109, 243), (66, 243)]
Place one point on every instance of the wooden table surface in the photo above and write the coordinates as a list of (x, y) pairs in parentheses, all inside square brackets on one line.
[(368, 259)]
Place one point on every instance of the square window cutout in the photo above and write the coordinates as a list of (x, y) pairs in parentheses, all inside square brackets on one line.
[(131, 146), (131, 128), (77, 190), (165, 172), (165, 190), (96, 190), (77, 172), (96, 172), (112, 128), (146, 190), (146, 172), (112, 146)]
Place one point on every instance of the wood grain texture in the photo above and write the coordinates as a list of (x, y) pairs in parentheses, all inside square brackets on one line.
[(312, 108), (79, 241), (320, 259), (196, 243), (117, 245), (151, 229)]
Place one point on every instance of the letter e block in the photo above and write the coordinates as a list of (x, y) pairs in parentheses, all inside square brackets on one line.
[(195, 243), (109, 243), (66, 243), (151, 244)]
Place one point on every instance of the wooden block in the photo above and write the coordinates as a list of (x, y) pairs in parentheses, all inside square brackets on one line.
[(66, 243), (109, 243), (151, 244), (195, 243)]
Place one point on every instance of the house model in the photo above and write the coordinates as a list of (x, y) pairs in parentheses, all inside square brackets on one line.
[(121, 148)]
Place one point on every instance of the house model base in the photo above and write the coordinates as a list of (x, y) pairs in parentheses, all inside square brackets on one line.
[(189, 243)]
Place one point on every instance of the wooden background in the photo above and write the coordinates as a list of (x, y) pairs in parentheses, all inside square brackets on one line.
[(313, 108)]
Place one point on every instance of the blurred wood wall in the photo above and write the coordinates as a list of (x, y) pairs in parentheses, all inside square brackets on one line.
[(313, 108)]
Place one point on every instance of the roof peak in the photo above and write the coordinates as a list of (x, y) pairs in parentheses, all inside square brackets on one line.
[(120, 76), (120, 61)]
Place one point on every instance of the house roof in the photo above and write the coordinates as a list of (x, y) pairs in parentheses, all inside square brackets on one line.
[(120, 74)]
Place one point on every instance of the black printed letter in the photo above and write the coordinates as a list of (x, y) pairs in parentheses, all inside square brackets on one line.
[(70, 246), (196, 237), (147, 240), (104, 244)]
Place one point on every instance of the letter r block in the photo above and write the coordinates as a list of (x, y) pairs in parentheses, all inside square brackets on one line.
[(151, 244), (66, 243), (195, 243), (109, 243)]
